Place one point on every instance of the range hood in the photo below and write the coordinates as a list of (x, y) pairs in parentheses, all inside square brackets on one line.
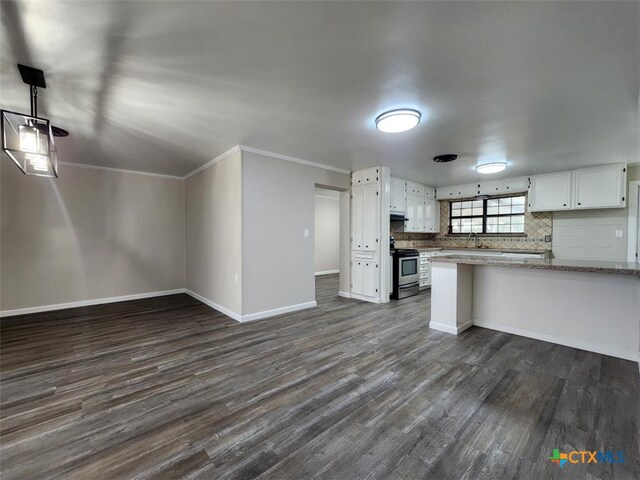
[(398, 217)]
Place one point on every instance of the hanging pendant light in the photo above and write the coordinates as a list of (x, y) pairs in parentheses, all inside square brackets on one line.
[(28, 139)]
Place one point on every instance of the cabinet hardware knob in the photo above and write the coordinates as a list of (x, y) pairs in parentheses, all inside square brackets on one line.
[(578, 203), (564, 204)]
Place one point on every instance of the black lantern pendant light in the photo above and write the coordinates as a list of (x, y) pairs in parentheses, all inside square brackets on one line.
[(28, 139)]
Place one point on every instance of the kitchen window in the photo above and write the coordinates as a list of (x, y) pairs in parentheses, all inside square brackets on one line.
[(498, 216)]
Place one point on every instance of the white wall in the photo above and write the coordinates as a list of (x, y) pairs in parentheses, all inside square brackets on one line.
[(278, 205), (345, 242), (88, 235), (590, 234), (327, 231), (213, 203)]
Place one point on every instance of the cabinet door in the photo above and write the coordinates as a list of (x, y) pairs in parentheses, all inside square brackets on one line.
[(370, 274), (491, 187), (371, 215), (410, 214), (468, 190), (446, 193), (357, 273), (415, 213), (549, 192), (600, 187), (365, 177), (429, 192), (515, 185), (431, 216), (415, 188), (398, 198), (357, 217)]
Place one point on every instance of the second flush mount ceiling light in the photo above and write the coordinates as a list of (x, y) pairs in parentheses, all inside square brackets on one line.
[(494, 167), (396, 121)]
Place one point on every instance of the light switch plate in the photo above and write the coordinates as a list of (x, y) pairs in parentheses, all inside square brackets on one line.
[(306, 232), (619, 233)]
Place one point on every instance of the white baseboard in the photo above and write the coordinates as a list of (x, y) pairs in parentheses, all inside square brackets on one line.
[(251, 316), (581, 344), (364, 298), (327, 272), (448, 328), (344, 294), (229, 313), (86, 303), (278, 311)]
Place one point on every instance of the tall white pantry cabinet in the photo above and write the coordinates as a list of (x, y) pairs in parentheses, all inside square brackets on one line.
[(370, 261)]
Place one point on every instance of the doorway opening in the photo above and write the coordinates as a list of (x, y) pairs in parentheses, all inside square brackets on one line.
[(331, 231)]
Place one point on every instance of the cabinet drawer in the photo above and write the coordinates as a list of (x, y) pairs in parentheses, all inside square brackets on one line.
[(364, 255), (425, 284), (424, 275), (424, 261)]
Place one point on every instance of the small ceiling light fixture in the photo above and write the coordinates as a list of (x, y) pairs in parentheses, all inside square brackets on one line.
[(494, 167), (396, 121), (28, 139)]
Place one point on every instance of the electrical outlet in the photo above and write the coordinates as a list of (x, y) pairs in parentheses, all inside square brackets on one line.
[(547, 238), (619, 233)]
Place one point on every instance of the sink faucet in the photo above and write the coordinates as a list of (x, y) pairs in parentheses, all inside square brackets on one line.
[(477, 244)]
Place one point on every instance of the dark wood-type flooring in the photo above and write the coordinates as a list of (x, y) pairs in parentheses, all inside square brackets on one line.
[(168, 388)]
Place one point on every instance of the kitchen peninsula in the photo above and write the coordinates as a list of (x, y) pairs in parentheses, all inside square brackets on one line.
[(591, 305)]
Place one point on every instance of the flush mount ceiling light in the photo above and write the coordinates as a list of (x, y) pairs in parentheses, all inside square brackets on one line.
[(494, 167), (396, 121), (28, 139)]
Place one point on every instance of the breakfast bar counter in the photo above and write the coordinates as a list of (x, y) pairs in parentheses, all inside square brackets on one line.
[(592, 305)]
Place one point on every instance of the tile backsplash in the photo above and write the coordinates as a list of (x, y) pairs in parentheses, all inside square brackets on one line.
[(536, 227)]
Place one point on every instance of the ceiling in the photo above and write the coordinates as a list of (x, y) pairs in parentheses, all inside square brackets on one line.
[(165, 87)]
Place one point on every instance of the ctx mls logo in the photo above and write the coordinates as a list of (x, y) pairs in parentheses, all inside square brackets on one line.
[(585, 456)]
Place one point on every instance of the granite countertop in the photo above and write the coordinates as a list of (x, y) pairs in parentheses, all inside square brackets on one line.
[(595, 266), (501, 250)]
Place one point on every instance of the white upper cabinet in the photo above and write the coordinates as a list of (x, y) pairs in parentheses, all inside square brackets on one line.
[(515, 185), (429, 192), (431, 215), (415, 188), (415, 213), (491, 187), (586, 188), (457, 191), (365, 215), (447, 193), (507, 185), (365, 177), (600, 187), (468, 190), (550, 191), (398, 195)]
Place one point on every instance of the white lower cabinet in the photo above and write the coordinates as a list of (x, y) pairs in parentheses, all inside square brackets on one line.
[(364, 277), (424, 268)]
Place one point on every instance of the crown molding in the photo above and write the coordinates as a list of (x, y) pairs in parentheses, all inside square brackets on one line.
[(293, 159), (219, 158), (118, 170)]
